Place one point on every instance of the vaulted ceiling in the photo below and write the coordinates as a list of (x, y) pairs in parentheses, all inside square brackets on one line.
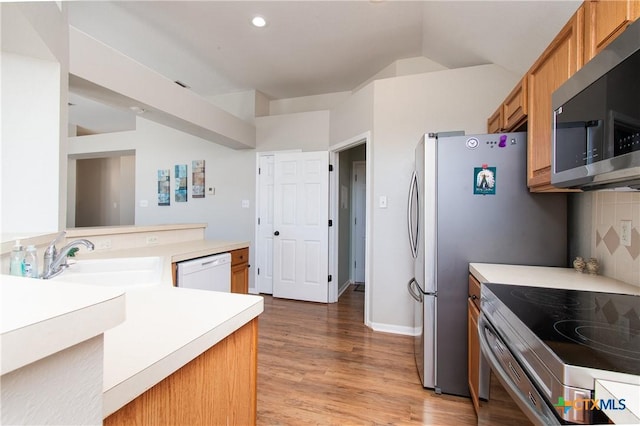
[(315, 47)]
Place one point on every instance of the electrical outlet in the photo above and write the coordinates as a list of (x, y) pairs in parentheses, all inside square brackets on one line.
[(104, 245), (152, 239), (625, 232)]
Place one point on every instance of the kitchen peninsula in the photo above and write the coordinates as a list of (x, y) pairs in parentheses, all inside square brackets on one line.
[(181, 356)]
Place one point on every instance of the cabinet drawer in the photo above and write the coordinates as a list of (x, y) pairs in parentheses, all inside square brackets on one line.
[(239, 256), (474, 291)]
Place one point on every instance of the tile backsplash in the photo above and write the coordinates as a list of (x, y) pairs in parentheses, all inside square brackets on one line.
[(605, 210)]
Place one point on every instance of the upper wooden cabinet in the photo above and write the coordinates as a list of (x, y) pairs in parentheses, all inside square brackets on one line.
[(604, 21), (512, 113), (496, 121), (594, 25), (557, 63), (515, 107)]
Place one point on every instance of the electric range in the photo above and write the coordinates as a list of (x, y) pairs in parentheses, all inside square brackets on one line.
[(565, 339)]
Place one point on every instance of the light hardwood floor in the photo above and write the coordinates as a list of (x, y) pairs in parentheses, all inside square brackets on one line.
[(318, 364)]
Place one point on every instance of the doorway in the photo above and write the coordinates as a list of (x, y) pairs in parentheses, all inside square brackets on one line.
[(348, 258), (104, 190), (352, 219)]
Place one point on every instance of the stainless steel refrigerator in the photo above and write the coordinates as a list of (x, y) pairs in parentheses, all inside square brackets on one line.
[(469, 202)]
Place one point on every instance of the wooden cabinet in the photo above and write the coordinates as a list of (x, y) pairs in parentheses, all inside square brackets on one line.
[(604, 21), (495, 122), (559, 61), (216, 388), (473, 343), (240, 271), (512, 113), (515, 107), (594, 25)]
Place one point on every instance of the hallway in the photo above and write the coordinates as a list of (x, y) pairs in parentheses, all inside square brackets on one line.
[(318, 364)]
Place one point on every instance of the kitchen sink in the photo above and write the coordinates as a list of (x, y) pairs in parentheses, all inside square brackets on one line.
[(126, 272)]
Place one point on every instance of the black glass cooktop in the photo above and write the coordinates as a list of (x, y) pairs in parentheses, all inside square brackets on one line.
[(583, 328)]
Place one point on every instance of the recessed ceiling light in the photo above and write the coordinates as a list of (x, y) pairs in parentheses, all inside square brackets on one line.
[(258, 21)]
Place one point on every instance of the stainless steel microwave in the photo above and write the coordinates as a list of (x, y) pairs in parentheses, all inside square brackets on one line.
[(596, 120)]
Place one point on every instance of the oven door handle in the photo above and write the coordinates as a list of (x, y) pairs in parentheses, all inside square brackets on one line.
[(543, 417)]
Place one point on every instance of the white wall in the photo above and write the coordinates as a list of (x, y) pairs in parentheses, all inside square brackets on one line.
[(325, 101), (404, 109), (352, 117), (34, 85), (230, 172), (308, 131), (30, 141)]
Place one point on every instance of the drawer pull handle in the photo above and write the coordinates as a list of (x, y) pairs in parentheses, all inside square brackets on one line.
[(515, 373)]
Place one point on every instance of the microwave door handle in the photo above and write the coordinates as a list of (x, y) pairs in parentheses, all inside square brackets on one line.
[(546, 416), (413, 243)]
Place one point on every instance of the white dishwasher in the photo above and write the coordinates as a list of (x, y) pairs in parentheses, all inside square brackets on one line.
[(206, 273)]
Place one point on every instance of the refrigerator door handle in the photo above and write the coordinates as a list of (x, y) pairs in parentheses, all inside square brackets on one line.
[(413, 239), (416, 295)]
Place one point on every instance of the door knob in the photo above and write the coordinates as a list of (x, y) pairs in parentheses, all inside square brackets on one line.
[(276, 233)]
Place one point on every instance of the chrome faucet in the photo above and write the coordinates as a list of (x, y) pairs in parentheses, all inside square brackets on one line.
[(54, 261)]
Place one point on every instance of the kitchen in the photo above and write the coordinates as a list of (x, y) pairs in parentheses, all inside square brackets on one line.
[(396, 115)]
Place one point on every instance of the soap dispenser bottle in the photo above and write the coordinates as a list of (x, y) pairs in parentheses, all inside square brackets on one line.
[(16, 264), (31, 262)]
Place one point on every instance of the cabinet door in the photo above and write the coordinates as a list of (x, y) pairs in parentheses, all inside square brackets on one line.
[(474, 353), (216, 388), (515, 106), (559, 61), (605, 20), (240, 278), (494, 123)]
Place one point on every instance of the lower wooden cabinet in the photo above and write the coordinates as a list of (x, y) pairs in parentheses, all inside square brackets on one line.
[(473, 342), (240, 271), (216, 388)]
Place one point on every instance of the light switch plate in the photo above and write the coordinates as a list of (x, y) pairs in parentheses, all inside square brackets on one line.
[(245, 204), (383, 202)]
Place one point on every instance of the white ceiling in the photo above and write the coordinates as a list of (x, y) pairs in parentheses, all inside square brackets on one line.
[(314, 47)]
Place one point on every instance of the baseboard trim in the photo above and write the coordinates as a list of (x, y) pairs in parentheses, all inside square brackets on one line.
[(344, 287), (394, 329)]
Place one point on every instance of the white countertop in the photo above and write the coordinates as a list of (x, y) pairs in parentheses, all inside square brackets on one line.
[(553, 277), (608, 390), (39, 318), (167, 327), (176, 252)]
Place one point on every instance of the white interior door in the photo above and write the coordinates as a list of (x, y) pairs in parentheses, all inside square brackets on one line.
[(300, 226), (264, 249), (359, 188)]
